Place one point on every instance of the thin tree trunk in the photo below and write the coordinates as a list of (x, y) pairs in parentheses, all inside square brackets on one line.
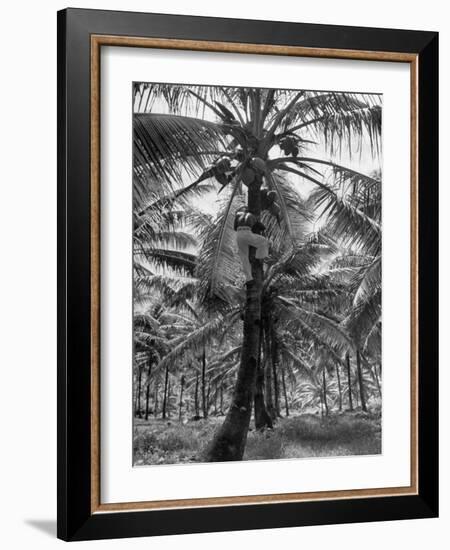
[(229, 442), (137, 406), (361, 381), (155, 412), (196, 404), (204, 398), (221, 398), (349, 381), (166, 383), (181, 398), (339, 386), (147, 399), (208, 395), (147, 391), (276, 389), (324, 388), (283, 379)]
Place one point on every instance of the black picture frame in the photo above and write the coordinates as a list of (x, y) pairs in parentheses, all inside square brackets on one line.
[(75, 518)]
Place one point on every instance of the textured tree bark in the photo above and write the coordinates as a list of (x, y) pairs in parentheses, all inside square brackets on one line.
[(361, 382), (349, 381), (229, 441)]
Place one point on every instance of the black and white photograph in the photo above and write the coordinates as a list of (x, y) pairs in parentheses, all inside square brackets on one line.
[(256, 273)]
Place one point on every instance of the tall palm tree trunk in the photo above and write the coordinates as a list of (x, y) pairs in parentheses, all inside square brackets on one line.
[(283, 380), (155, 412), (137, 406), (204, 397), (349, 381), (338, 375), (361, 381), (196, 405), (229, 442), (166, 387), (180, 407), (147, 391)]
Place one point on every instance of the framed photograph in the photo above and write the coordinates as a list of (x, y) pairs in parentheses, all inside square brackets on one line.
[(247, 254)]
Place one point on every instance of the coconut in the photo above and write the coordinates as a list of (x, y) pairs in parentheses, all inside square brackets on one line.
[(223, 164), (222, 178), (259, 164), (248, 176)]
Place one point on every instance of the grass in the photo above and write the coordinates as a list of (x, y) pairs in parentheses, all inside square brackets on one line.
[(158, 441)]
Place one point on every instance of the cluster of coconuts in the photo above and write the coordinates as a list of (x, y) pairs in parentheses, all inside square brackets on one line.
[(289, 146), (255, 167)]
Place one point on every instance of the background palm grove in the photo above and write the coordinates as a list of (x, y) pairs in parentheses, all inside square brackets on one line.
[(286, 365)]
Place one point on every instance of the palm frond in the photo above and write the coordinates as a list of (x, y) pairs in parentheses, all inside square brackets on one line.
[(192, 341), (219, 265), (364, 316), (168, 148)]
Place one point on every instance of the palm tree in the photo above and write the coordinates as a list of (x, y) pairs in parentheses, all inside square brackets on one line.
[(245, 140)]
